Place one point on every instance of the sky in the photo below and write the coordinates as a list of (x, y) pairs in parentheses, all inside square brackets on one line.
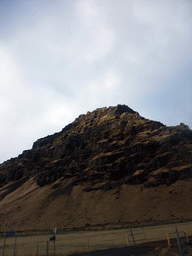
[(62, 58)]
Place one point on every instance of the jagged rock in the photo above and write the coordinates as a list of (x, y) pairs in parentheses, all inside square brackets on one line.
[(105, 149)]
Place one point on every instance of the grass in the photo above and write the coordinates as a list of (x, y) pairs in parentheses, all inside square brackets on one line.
[(85, 241)]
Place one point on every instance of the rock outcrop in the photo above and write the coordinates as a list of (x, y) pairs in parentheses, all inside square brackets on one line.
[(105, 149), (109, 168)]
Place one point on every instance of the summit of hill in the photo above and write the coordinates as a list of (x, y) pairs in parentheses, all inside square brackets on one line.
[(109, 167)]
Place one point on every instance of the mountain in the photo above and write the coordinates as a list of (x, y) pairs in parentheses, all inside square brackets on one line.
[(109, 168)]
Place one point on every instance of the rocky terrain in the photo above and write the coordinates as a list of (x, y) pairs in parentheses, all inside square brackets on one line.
[(100, 170)]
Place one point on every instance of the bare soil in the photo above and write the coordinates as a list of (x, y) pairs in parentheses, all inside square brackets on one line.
[(67, 207)]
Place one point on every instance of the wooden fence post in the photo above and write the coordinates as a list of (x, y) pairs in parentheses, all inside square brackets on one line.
[(127, 240), (187, 238), (168, 241)]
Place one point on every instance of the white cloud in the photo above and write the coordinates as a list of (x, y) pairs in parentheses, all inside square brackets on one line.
[(101, 45), (88, 11), (111, 80), (73, 56)]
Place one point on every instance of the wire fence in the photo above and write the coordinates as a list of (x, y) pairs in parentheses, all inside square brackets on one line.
[(85, 241), (59, 246)]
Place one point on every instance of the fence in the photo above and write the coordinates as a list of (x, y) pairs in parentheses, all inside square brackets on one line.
[(14, 236), (172, 236), (137, 237), (49, 247), (64, 243), (82, 241)]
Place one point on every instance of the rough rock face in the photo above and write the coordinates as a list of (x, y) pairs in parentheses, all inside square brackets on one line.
[(105, 149)]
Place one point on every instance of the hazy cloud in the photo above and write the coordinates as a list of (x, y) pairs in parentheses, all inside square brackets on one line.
[(61, 59)]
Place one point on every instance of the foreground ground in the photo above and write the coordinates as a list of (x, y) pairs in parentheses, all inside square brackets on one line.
[(88, 241)]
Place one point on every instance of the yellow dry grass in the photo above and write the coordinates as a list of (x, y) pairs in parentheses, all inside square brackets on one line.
[(83, 241)]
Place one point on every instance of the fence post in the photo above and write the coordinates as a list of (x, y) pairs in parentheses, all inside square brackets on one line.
[(37, 248), (169, 244), (4, 244), (127, 240), (132, 234), (145, 237), (178, 243), (47, 249), (88, 243), (15, 246), (187, 238), (54, 247)]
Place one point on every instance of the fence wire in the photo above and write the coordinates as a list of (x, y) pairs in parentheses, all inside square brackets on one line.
[(85, 241), (41, 245)]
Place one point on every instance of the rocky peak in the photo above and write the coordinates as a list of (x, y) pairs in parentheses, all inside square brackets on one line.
[(106, 148)]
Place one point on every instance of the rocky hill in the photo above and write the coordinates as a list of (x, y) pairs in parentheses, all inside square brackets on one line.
[(102, 154)]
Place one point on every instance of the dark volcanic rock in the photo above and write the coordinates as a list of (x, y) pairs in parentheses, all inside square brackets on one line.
[(108, 147)]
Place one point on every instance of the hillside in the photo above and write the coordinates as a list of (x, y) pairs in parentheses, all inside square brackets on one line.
[(110, 167)]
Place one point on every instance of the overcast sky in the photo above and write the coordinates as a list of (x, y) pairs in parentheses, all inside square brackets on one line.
[(62, 58)]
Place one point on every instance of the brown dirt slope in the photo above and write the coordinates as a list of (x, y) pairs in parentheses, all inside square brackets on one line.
[(109, 168)]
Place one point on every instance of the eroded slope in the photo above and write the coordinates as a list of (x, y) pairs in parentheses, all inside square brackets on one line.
[(101, 158)]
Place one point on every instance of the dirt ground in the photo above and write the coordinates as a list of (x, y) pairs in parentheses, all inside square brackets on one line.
[(67, 207)]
